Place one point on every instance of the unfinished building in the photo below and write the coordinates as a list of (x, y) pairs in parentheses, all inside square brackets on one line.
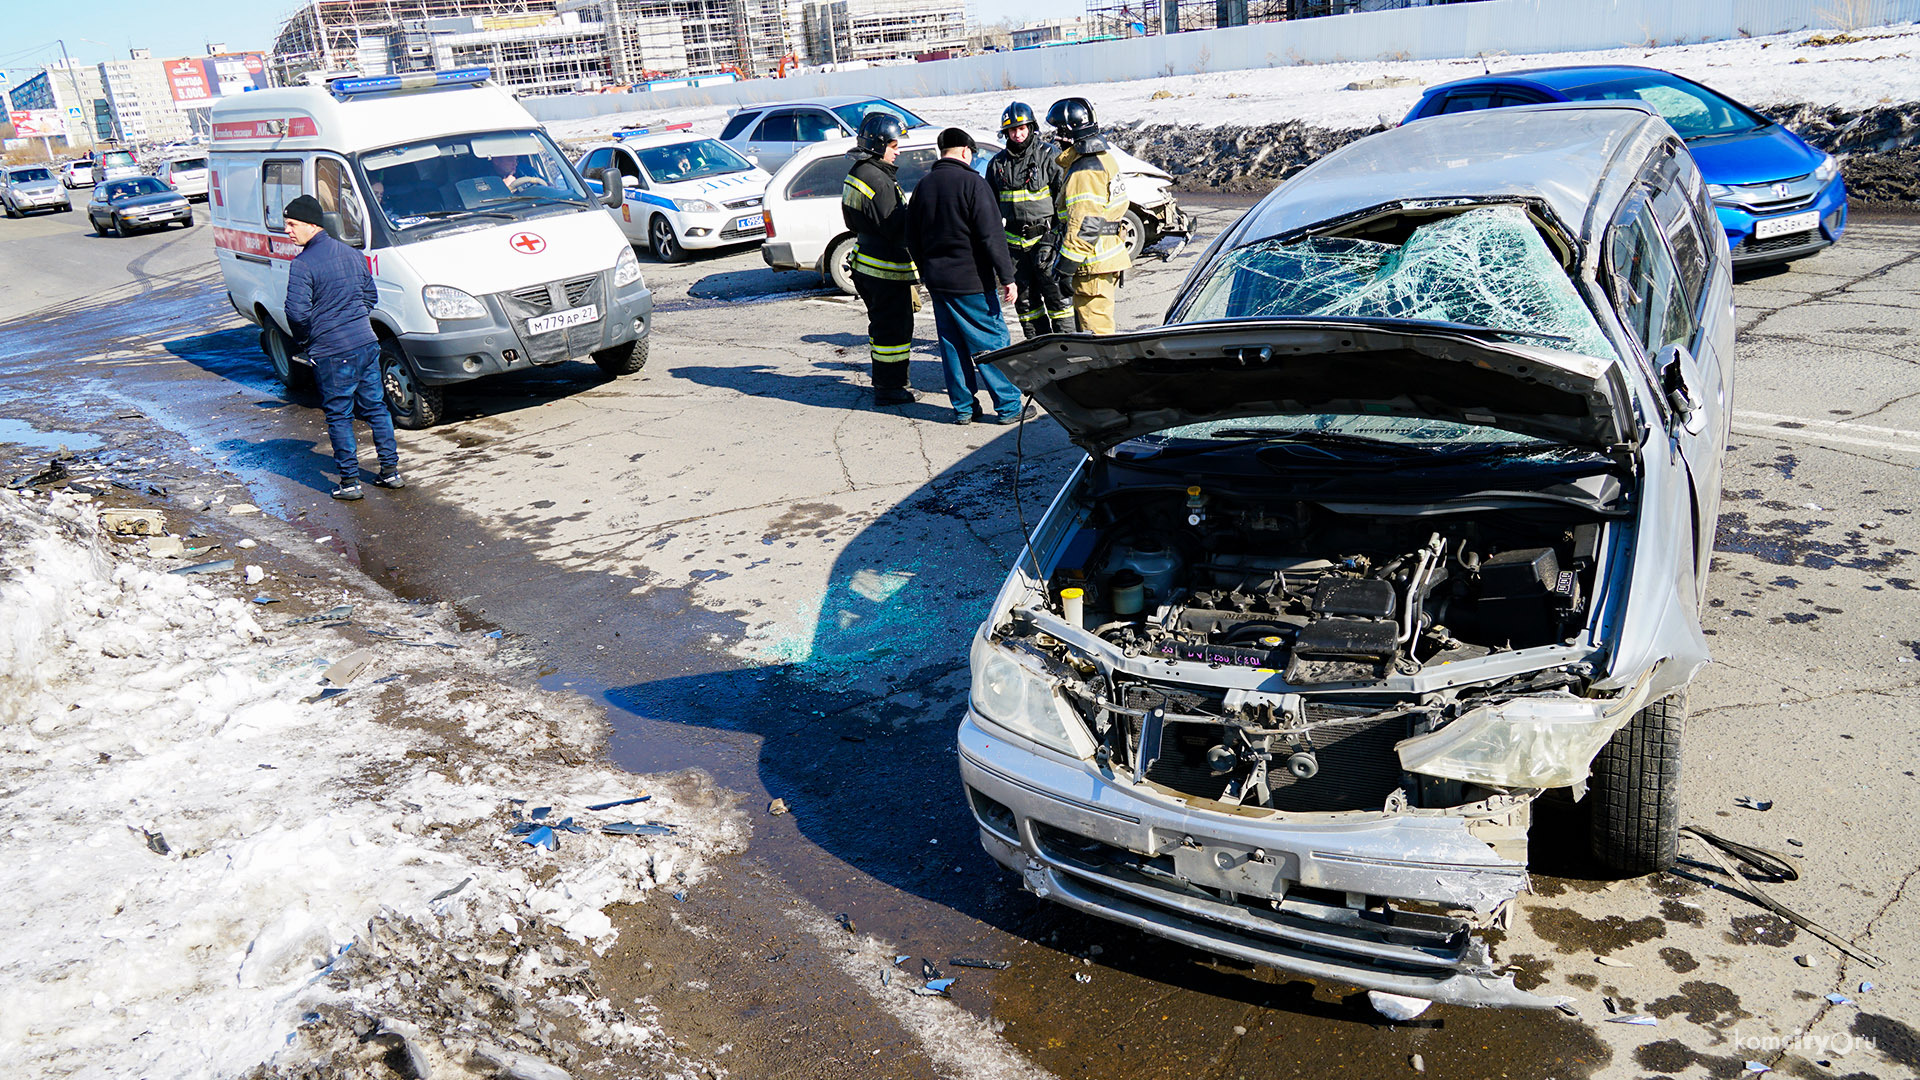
[(842, 30), (1141, 18), (536, 46)]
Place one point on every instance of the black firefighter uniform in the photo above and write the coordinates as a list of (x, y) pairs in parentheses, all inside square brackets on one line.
[(874, 208)]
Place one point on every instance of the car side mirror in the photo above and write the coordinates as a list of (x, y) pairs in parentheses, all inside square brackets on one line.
[(611, 191), (1676, 368)]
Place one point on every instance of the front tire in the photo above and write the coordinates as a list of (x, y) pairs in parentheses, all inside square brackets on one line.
[(1635, 791), (98, 228), (840, 265), (295, 376), (620, 360), (1133, 230), (8, 205), (666, 247), (414, 405)]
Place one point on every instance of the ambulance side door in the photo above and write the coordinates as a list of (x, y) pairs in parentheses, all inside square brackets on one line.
[(282, 180)]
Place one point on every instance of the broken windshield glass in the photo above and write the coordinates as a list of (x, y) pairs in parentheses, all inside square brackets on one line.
[(1487, 267)]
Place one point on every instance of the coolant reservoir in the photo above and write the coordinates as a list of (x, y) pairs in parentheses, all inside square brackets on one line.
[(1156, 566)]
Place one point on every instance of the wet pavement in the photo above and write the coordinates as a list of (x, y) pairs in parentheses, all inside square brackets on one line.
[(763, 578)]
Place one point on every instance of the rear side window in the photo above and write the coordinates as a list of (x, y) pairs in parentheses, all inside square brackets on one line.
[(737, 124), (279, 185), (1467, 101), (817, 126), (821, 179), (778, 127)]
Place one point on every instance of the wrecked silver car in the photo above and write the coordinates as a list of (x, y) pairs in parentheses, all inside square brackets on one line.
[(1400, 521)]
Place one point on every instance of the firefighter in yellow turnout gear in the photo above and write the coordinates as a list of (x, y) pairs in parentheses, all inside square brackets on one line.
[(1090, 205)]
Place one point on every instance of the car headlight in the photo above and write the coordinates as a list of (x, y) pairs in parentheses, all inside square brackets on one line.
[(696, 206), (447, 302), (1010, 694), (1722, 194), (626, 268), (1829, 168), (1542, 741)]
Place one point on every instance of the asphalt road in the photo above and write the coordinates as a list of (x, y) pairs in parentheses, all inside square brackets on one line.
[(763, 577)]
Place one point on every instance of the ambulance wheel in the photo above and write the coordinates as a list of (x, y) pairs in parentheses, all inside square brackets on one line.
[(1133, 230), (414, 405), (295, 376), (840, 265), (621, 360), (666, 247)]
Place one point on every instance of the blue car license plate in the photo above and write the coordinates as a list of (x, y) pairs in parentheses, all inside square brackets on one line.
[(757, 221)]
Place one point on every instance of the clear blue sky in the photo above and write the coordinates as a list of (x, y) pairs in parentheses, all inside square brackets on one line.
[(97, 30)]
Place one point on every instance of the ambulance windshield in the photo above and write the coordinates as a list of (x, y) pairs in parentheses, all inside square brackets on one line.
[(495, 174)]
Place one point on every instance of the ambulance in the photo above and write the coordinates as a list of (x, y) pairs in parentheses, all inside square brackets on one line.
[(488, 251)]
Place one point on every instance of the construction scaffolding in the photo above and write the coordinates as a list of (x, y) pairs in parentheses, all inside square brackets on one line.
[(354, 35), (671, 38), (1146, 18), (841, 30)]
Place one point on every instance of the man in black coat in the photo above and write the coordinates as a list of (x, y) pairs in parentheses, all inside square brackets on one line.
[(955, 235)]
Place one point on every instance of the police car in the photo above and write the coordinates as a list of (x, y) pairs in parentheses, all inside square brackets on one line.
[(682, 190)]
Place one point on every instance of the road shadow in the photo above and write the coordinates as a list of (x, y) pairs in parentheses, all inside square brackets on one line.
[(828, 385), (856, 708), (759, 285)]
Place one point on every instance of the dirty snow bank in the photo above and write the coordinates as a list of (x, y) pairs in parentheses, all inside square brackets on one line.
[(212, 870), (1856, 94)]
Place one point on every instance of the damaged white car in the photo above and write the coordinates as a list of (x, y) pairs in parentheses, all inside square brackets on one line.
[(1400, 521)]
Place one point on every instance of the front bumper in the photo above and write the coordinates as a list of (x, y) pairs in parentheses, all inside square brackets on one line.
[(473, 348), (1260, 890), (720, 230), (1739, 222), (28, 201), (164, 216)]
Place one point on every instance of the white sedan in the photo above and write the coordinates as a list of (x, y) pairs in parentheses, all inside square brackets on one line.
[(806, 232), (681, 191)]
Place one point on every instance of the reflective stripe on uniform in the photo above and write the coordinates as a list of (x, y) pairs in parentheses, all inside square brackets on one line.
[(1025, 196), (859, 185), (1023, 242), (885, 269), (889, 354)]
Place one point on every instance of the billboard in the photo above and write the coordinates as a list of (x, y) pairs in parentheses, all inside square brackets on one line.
[(38, 123), (197, 80)]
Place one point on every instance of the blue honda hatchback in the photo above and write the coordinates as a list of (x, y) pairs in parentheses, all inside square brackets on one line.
[(1777, 197)]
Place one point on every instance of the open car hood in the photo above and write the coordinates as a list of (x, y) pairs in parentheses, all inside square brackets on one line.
[(1106, 390)]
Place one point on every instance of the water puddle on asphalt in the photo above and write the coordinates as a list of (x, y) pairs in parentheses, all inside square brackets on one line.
[(21, 433)]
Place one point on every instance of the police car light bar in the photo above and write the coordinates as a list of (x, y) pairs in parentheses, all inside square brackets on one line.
[(631, 132), (431, 80)]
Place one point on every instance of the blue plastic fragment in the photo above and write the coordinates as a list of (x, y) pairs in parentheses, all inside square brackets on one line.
[(620, 802), (628, 828), (935, 988), (539, 813), (265, 599), (204, 568), (494, 633), (1840, 999), (524, 828), (567, 824), (543, 837)]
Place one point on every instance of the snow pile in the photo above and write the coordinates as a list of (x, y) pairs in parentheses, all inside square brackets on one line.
[(1856, 71), (215, 868)]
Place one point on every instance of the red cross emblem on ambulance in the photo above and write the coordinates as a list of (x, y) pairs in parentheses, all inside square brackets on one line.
[(527, 243)]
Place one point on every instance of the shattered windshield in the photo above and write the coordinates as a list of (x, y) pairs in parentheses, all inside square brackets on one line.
[(1488, 267)]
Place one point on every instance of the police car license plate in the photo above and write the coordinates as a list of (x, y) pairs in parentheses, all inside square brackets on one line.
[(560, 320), (757, 221), (1781, 226)]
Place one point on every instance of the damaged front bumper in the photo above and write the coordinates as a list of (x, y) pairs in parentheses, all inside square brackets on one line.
[(1302, 895)]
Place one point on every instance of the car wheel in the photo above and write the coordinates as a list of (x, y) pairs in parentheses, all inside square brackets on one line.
[(621, 360), (840, 265), (1133, 233), (7, 204), (666, 247), (187, 224), (98, 228), (1635, 791), (295, 376), (414, 404)]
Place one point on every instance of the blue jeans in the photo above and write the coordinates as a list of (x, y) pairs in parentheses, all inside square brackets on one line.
[(968, 324), (350, 386)]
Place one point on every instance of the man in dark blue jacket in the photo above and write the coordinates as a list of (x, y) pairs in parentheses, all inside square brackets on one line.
[(330, 295), (954, 232)]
